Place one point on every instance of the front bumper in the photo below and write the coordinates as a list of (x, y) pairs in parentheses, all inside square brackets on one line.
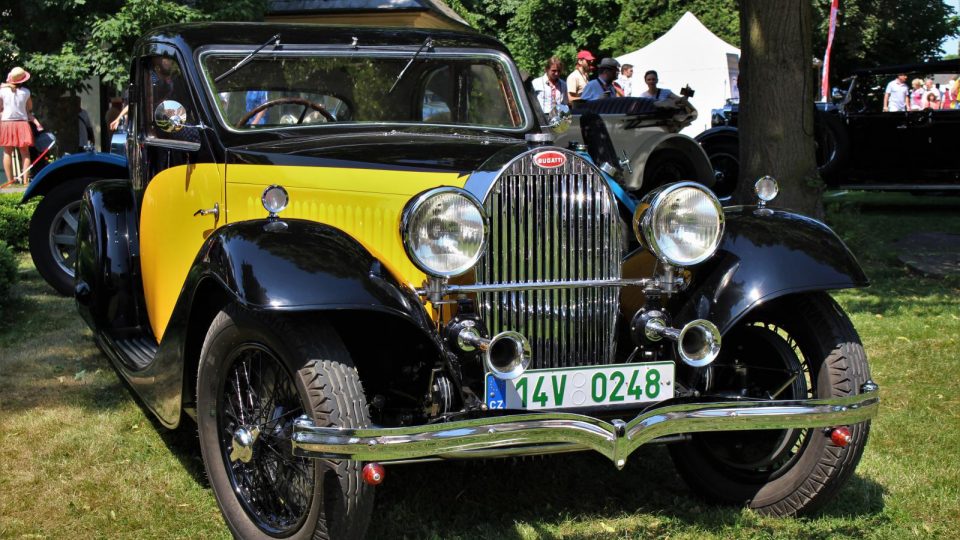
[(540, 433)]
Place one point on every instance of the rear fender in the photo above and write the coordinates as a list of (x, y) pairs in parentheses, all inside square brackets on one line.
[(84, 165), (108, 288), (765, 255), (645, 144), (726, 133)]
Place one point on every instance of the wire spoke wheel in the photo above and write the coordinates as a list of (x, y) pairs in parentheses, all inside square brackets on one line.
[(797, 347), (258, 404), (764, 362), (258, 373)]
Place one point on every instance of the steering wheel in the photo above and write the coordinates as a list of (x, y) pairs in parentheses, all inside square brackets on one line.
[(307, 105)]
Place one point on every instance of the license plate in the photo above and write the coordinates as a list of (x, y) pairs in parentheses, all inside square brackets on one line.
[(618, 385)]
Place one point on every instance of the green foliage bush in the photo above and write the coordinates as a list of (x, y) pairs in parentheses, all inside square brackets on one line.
[(8, 275), (15, 220)]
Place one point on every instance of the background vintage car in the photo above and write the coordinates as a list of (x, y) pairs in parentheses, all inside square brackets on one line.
[(858, 145), (640, 138)]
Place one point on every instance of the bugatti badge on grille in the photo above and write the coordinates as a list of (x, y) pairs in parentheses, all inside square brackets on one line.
[(550, 160)]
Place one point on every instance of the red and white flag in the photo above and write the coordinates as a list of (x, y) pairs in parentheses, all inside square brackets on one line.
[(825, 84)]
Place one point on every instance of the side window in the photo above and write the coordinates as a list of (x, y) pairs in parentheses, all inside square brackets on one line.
[(475, 93), (162, 83), (489, 101)]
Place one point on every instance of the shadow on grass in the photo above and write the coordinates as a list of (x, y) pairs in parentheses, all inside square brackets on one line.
[(488, 499)]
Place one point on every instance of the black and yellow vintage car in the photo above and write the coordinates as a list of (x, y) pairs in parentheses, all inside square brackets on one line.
[(342, 248)]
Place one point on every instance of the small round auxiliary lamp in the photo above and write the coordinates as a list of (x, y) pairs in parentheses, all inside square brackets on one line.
[(766, 189), (274, 200)]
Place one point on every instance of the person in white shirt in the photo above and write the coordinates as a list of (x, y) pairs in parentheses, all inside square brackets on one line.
[(896, 94), (551, 89), (16, 114), (624, 82)]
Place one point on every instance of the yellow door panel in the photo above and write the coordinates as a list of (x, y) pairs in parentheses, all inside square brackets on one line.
[(171, 235)]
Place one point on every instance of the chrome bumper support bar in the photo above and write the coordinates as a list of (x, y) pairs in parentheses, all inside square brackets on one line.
[(535, 433), (540, 286)]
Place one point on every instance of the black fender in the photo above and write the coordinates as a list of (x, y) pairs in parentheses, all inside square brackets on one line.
[(766, 254), (107, 275), (93, 165), (718, 133), (292, 266)]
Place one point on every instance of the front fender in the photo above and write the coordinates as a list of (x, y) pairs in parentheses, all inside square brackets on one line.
[(296, 265), (289, 265), (83, 165), (766, 254)]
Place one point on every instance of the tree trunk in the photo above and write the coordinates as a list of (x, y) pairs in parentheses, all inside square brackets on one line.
[(776, 103), (59, 114)]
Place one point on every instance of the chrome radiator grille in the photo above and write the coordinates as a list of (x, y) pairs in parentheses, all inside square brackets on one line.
[(553, 225)]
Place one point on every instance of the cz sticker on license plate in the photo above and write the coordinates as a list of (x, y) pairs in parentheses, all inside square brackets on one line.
[(617, 385)]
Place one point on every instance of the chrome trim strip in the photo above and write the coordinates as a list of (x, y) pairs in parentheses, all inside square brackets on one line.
[(542, 286), (495, 436)]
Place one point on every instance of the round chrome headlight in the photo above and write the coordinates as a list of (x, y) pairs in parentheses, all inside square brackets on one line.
[(443, 231), (680, 223)]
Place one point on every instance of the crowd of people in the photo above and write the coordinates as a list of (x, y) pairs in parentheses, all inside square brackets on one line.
[(920, 94), (554, 92)]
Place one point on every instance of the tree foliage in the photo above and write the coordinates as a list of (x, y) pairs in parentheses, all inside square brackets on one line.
[(535, 30), (884, 32), (64, 42), (643, 21)]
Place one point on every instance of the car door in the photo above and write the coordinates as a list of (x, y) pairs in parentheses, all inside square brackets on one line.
[(943, 159), (882, 144), (175, 177)]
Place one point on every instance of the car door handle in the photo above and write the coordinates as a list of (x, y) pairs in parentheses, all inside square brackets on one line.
[(215, 211)]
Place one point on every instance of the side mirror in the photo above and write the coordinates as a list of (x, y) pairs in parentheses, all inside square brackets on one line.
[(170, 116), (559, 119)]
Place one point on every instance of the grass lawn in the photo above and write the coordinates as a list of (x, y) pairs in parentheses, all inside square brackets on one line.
[(79, 458)]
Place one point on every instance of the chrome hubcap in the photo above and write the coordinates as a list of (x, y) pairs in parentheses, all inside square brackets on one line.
[(243, 440)]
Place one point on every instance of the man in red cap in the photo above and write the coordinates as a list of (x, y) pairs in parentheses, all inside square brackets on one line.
[(577, 80)]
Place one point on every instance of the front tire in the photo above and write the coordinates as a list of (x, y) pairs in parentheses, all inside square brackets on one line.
[(53, 234), (798, 347), (258, 372), (724, 154)]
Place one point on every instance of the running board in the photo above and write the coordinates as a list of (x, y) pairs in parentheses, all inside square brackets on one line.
[(139, 352), (900, 187)]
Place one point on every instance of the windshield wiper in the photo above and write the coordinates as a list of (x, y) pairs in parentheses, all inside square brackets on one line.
[(276, 43), (427, 43)]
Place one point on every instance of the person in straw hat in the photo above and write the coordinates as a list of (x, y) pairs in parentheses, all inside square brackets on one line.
[(16, 108)]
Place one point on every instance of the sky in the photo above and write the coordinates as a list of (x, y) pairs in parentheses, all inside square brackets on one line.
[(950, 45)]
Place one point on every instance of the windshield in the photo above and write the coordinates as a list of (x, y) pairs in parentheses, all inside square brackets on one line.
[(294, 90)]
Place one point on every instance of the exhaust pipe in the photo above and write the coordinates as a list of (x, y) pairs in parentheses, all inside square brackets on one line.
[(506, 355), (698, 342)]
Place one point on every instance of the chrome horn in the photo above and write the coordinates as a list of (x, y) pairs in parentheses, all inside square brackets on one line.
[(698, 342), (506, 355)]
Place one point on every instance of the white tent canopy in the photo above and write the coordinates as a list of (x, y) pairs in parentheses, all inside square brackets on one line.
[(691, 54)]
